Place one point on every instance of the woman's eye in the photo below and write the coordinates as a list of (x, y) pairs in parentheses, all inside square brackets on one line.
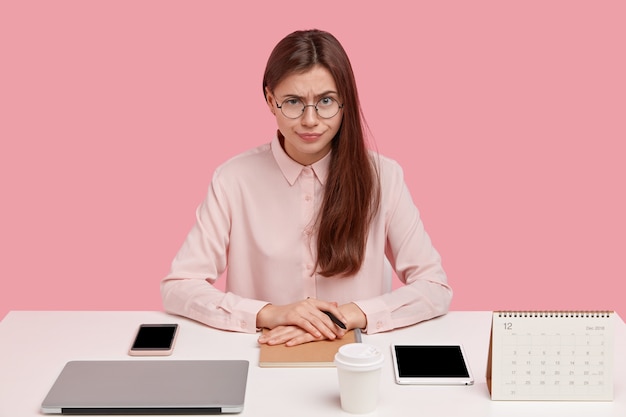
[(326, 101), (292, 102)]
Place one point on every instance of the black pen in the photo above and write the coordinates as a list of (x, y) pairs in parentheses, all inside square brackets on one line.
[(335, 319)]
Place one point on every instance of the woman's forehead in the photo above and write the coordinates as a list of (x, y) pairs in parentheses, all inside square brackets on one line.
[(311, 83)]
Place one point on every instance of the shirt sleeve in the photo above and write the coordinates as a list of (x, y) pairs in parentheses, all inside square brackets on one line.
[(426, 293), (188, 289)]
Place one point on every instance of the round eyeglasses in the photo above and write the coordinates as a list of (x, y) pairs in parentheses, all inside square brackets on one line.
[(327, 107)]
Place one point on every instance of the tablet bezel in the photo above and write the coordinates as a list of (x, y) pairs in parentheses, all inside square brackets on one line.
[(444, 380)]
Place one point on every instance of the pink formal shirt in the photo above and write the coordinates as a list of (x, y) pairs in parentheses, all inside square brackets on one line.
[(257, 221)]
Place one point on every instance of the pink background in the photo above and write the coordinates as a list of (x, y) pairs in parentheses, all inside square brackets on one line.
[(508, 117)]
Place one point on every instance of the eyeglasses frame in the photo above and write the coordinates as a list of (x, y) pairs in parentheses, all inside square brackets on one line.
[(309, 105)]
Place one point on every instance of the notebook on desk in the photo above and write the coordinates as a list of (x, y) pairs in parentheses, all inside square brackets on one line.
[(308, 355), (149, 387)]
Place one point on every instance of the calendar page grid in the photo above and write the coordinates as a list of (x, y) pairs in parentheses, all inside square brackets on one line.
[(552, 358)]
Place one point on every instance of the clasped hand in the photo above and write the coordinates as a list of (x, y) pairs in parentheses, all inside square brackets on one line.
[(300, 322)]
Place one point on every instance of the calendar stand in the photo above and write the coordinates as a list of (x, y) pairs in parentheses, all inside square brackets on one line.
[(551, 355)]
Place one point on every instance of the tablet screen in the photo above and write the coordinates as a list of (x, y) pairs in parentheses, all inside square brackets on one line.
[(430, 364)]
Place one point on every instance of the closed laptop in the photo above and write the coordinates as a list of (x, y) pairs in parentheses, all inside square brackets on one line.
[(149, 387)]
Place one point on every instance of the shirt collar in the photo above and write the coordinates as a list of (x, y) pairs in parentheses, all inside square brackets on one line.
[(291, 169)]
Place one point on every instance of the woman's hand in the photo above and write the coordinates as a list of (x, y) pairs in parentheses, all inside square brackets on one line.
[(308, 315), (289, 335)]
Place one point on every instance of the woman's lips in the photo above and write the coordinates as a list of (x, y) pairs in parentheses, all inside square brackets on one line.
[(309, 137)]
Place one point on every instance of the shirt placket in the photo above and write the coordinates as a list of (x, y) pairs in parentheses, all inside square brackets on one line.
[(307, 188)]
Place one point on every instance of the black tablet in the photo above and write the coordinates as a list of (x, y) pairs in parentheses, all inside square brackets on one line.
[(431, 364)]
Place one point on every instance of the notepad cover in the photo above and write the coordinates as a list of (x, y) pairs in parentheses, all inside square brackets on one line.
[(308, 355)]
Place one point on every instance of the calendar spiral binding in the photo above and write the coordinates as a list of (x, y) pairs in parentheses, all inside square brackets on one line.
[(555, 313)]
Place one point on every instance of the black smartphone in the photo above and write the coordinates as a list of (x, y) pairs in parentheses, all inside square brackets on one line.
[(154, 340)]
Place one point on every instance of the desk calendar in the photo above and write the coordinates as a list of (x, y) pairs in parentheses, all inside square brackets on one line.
[(551, 355)]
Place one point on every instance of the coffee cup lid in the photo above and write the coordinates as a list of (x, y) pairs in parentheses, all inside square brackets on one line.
[(359, 357)]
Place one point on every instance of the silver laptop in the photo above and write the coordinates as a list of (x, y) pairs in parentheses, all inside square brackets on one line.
[(149, 387)]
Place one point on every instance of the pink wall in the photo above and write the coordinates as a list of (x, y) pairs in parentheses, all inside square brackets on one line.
[(508, 117)]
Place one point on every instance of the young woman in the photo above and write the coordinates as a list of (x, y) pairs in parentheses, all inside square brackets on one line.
[(306, 223)]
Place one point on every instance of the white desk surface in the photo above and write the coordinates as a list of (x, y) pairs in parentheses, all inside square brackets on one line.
[(35, 345)]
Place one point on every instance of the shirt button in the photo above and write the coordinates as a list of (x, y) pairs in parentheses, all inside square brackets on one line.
[(242, 324), (307, 198), (379, 324)]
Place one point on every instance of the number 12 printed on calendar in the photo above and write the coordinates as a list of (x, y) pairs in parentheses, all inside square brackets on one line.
[(551, 355)]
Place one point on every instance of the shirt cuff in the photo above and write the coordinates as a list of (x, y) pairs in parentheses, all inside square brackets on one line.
[(377, 315), (247, 310)]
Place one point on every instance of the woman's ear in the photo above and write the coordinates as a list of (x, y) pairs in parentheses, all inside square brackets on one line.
[(269, 99)]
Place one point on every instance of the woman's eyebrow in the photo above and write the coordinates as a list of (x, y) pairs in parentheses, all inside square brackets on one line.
[(325, 93)]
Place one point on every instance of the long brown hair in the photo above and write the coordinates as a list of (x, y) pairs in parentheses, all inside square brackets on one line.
[(352, 192)]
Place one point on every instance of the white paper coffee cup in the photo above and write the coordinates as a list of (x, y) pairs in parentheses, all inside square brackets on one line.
[(358, 369)]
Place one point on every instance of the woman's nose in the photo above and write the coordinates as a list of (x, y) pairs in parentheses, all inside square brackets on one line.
[(309, 117)]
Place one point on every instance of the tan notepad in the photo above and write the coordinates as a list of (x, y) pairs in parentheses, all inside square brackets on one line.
[(308, 355)]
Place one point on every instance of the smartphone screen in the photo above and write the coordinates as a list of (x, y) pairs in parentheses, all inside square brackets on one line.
[(154, 339)]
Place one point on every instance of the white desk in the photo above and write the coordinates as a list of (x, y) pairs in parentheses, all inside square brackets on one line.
[(34, 346)]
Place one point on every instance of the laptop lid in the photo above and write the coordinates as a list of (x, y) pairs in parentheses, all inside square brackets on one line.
[(149, 387)]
